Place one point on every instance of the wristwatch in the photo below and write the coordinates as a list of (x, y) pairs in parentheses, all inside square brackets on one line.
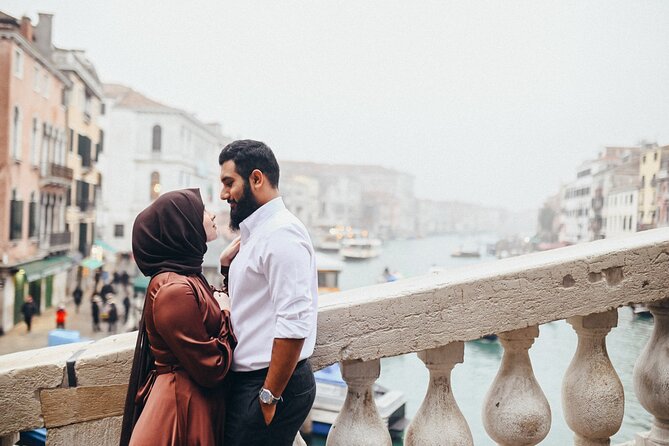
[(266, 397)]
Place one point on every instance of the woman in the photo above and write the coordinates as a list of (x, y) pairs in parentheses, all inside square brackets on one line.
[(184, 346)]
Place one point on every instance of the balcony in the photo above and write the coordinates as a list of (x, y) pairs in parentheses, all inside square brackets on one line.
[(431, 315), (60, 241), (55, 175), (56, 242)]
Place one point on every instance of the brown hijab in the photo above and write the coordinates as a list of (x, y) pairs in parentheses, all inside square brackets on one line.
[(167, 236)]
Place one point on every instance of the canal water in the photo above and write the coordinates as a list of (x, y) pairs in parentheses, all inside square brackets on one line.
[(550, 354)]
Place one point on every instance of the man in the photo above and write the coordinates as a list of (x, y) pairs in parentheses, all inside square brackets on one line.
[(272, 283), (28, 309)]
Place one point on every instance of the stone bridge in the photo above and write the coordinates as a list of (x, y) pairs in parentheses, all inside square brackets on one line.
[(77, 391)]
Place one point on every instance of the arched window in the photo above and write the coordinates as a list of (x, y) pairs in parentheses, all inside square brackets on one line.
[(155, 185), (156, 143)]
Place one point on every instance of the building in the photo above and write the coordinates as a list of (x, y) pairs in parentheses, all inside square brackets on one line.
[(663, 194), (300, 194), (151, 148), (649, 170), (620, 215), (34, 177), (371, 198), (583, 200)]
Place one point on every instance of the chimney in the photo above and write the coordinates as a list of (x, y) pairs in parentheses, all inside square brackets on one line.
[(43, 34), (27, 28)]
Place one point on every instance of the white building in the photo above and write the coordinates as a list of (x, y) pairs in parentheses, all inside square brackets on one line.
[(151, 148), (300, 194), (620, 211), (575, 212)]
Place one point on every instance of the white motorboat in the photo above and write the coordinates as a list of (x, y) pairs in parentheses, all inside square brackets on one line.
[(360, 248)]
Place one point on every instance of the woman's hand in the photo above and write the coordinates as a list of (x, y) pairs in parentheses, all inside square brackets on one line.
[(230, 252)]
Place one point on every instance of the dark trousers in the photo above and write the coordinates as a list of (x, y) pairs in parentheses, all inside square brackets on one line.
[(244, 423)]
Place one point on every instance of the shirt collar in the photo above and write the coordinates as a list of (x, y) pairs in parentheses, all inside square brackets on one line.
[(260, 215)]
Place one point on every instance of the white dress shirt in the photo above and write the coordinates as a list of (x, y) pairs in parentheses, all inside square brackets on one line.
[(273, 286)]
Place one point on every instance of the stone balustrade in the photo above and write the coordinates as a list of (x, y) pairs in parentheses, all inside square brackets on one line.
[(77, 391)]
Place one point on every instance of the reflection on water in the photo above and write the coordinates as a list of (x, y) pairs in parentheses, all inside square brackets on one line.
[(551, 353)]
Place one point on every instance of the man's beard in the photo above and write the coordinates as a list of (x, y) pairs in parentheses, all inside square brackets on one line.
[(246, 205)]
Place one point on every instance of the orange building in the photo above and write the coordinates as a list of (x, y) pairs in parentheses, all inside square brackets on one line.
[(34, 182)]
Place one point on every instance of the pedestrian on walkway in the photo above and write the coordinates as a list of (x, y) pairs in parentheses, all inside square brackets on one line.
[(106, 290), (61, 314), (77, 295), (126, 308), (113, 316), (95, 313), (28, 309)]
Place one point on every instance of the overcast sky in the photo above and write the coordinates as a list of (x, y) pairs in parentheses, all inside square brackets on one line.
[(483, 101)]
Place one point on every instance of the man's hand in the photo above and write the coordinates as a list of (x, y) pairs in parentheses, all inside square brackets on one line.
[(230, 252), (223, 300), (268, 411)]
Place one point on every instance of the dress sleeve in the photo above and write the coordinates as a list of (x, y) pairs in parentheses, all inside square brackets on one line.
[(178, 320)]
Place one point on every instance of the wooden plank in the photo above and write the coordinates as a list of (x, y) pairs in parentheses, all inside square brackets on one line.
[(62, 407)]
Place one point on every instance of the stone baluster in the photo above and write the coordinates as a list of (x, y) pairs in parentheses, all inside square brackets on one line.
[(9, 439), (359, 422), (593, 400), (651, 378), (515, 410), (439, 421)]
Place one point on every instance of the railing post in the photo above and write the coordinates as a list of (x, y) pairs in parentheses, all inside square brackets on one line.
[(515, 410), (593, 399), (651, 377), (9, 440), (359, 422), (439, 421)]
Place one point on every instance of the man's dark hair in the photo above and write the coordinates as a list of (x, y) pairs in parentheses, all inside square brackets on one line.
[(248, 155)]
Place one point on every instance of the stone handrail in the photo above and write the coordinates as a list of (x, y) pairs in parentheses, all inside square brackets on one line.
[(82, 403)]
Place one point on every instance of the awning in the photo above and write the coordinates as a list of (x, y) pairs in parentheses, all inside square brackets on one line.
[(91, 263), (105, 246), (141, 283), (46, 267)]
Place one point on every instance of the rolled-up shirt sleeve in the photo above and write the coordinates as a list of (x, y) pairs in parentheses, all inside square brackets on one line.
[(289, 269)]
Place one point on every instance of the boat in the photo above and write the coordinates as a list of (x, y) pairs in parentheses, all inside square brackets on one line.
[(465, 253), (641, 311), (330, 395), (328, 243), (360, 248), (329, 269)]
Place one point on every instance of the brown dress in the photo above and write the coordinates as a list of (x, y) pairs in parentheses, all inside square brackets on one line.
[(191, 341)]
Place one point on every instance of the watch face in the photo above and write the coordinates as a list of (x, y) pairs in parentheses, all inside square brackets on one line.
[(266, 396)]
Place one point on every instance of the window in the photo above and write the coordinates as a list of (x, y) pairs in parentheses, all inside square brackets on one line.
[(157, 138), (16, 133), (118, 231), (34, 136), (45, 89), (36, 79), (103, 108), (32, 216), (15, 217), (155, 185), (655, 156), (84, 148), (18, 63), (643, 182)]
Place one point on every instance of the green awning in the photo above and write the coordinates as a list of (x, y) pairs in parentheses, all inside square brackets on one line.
[(46, 267), (91, 263), (105, 246), (141, 283)]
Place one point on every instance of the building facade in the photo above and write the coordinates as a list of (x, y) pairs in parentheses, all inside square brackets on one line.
[(151, 148), (649, 170), (34, 178)]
